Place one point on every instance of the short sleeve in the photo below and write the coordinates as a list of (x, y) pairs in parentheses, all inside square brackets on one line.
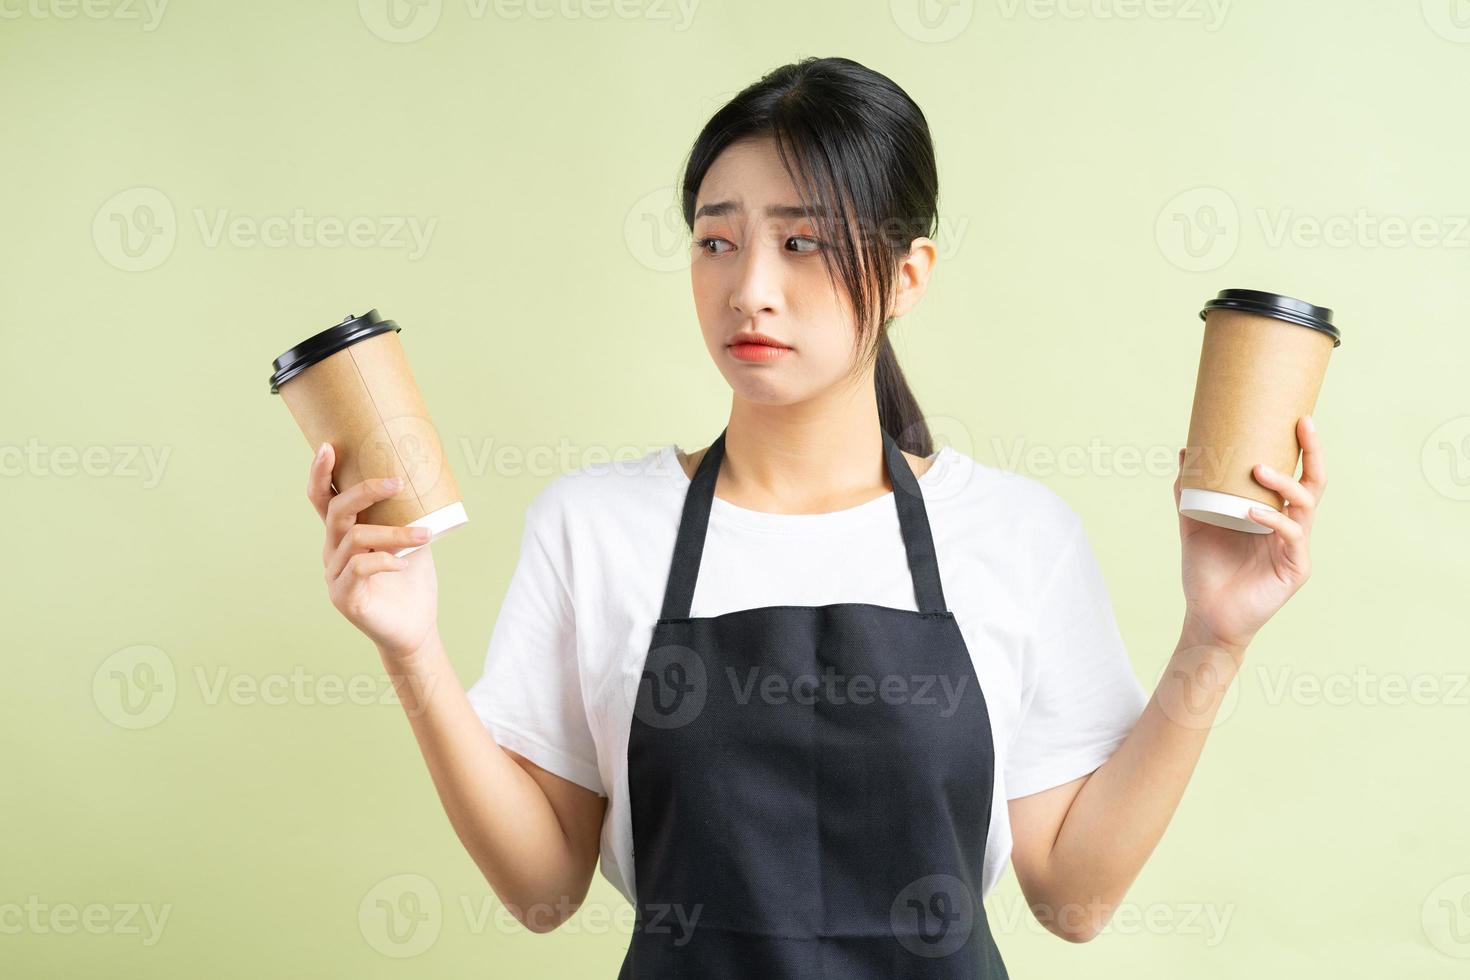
[(530, 695), (1079, 697)]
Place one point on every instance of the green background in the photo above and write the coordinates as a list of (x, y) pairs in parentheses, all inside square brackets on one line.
[(1105, 167)]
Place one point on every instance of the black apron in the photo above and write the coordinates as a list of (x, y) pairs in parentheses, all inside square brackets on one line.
[(810, 786)]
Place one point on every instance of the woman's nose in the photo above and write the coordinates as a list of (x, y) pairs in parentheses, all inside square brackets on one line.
[(757, 286)]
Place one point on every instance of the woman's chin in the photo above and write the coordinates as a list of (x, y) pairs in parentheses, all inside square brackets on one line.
[(762, 391)]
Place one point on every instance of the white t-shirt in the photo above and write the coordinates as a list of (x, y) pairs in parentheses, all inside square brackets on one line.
[(567, 651)]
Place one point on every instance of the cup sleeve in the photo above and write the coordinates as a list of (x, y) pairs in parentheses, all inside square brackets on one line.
[(529, 696), (1079, 697)]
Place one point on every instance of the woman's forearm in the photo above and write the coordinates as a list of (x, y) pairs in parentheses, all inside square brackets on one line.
[(502, 817), (1121, 812)]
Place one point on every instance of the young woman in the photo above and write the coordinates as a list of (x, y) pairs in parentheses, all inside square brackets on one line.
[(805, 691)]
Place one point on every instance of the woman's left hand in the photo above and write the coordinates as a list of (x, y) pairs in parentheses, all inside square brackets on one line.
[(1234, 580)]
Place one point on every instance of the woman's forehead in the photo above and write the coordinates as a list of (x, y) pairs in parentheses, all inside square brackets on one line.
[(749, 176)]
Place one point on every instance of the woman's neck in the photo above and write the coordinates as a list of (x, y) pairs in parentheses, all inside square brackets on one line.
[(805, 458)]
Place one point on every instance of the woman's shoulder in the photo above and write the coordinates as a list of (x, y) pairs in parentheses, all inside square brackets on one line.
[(608, 485), (1002, 499)]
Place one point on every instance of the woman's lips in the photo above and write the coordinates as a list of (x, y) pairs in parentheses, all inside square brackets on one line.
[(757, 352)]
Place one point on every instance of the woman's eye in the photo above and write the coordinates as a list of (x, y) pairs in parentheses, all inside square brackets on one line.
[(709, 245)]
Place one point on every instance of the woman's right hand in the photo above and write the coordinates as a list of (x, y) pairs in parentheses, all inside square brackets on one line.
[(393, 601)]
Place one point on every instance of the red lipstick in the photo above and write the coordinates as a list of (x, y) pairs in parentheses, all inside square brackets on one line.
[(756, 347)]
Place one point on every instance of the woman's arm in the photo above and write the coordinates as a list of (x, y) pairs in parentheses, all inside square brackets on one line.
[(1079, 846), (533, 834)]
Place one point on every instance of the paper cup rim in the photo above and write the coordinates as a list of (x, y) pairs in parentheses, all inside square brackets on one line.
[(1278, 306), (320, 346), (439, 522), (1222, 510)]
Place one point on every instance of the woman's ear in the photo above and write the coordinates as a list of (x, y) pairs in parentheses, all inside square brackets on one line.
[(913, 274)]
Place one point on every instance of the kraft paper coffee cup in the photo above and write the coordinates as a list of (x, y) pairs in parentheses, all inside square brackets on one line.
[(350, 385), (1261, 366)]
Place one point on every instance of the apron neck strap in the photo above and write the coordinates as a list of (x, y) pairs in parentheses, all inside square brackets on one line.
[(913, 520)]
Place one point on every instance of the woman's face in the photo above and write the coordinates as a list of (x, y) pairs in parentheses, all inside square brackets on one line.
[(757, 267)]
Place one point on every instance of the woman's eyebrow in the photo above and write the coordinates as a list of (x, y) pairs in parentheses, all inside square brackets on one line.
[(719, 209)]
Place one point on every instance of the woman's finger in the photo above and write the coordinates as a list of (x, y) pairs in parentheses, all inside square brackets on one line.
[(343, 509), (362, 538), (319, 479), (1303, 502), (1314, 465), (364, 566), (1293, 535), (1178, 479)]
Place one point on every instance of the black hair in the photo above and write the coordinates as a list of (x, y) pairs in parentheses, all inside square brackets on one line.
[(859, 151)]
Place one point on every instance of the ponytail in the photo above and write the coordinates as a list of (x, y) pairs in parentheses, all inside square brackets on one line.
[(898, 409)]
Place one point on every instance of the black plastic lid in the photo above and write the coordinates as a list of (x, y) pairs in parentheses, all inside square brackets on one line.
[(1281, 307), (323, 345)]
